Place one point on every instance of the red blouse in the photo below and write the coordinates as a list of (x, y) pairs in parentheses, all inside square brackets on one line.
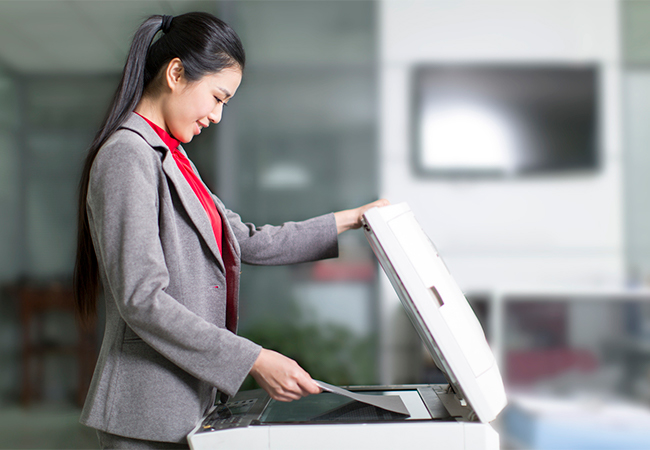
[(195, 183)]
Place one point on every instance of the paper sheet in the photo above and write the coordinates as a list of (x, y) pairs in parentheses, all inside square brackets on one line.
[(392, 403)]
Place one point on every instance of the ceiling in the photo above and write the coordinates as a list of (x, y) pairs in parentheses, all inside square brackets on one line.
[(76, 36)]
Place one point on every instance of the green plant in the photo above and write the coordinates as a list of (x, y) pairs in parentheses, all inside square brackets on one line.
[(330, 353)]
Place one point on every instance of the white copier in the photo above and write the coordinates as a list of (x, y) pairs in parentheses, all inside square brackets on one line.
[(449, 416)]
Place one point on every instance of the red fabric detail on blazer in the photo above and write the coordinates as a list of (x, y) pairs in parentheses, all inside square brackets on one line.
[(229, 258), (232, 277), (195, 183)]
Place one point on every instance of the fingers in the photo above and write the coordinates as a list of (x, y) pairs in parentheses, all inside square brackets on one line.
[(362, 209), (350, 219), (381, 202), (377, 203), (309, 386), (282, 377), (294, 388)]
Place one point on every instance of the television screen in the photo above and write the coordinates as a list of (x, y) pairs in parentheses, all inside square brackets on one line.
[(502, 119)]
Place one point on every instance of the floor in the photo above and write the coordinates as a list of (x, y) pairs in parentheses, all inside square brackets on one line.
[(44, 427)]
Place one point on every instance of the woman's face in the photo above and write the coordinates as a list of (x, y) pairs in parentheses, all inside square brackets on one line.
[(192, 106)]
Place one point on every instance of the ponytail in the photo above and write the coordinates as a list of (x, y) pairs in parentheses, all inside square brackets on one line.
[(205, 45)]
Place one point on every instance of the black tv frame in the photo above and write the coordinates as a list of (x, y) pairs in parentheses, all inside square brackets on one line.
[(591, 167)]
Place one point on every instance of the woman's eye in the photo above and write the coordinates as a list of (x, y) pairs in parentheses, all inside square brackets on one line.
[(220, 101)]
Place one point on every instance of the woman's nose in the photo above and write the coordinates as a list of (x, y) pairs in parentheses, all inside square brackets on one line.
[(215, 115)]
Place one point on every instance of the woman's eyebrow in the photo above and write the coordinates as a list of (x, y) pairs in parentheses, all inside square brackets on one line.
[(225, 91)]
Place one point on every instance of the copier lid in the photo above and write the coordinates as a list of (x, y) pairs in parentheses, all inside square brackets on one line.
[(437, 307)]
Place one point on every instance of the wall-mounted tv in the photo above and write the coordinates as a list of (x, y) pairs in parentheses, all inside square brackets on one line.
[(484, 119)]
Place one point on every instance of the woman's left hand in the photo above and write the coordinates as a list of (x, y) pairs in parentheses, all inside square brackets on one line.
[(350, 219)]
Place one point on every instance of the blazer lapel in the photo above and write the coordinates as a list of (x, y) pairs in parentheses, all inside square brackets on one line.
[(187, 196), (192, 205)]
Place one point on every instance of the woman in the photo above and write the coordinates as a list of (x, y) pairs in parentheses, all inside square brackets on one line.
[(166, 250)]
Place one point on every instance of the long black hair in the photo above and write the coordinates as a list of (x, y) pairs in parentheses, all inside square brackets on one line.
[(205, 45)]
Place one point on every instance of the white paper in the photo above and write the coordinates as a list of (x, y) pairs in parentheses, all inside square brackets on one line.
[(391, 403)]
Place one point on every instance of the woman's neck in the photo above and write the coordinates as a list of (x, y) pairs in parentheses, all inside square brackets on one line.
[(151, 110)]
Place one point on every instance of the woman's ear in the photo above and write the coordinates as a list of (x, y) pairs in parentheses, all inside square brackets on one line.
[(174, 74)]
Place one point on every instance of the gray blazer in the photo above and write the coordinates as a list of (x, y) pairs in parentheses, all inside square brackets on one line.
[(166, 349)]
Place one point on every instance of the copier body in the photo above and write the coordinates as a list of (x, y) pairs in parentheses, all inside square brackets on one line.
[(451, 416), (250, 421)]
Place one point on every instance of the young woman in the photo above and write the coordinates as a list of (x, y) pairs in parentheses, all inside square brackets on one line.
[(166, 250)]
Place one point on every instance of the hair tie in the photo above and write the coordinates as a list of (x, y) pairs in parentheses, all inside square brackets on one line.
[(166, 23)]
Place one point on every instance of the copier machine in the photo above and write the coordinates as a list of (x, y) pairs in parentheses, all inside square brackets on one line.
[(449, 416)]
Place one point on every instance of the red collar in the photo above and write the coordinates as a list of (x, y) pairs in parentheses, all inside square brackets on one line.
[(169, 141)]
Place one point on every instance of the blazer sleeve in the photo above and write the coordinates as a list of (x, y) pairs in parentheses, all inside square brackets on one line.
[(123, 211), (289, 243)]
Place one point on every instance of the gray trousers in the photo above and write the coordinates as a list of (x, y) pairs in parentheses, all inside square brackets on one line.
[(107, 440)]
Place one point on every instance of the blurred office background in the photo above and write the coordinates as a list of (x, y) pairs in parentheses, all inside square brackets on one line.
[(343, 102)]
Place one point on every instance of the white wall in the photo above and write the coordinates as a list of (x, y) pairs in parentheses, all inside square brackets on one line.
[(542, 230), (636, 100), (538, 231)]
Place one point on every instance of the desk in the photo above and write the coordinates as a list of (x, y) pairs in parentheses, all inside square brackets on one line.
[(606, 344), (498, 299)]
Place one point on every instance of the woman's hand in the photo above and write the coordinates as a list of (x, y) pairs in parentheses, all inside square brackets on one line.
[(350, 219), (282, 377)]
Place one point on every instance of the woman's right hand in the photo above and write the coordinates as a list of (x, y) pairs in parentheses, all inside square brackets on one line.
[(282, 377)]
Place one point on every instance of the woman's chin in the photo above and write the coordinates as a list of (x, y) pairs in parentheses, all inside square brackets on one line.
[(186, 138)]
